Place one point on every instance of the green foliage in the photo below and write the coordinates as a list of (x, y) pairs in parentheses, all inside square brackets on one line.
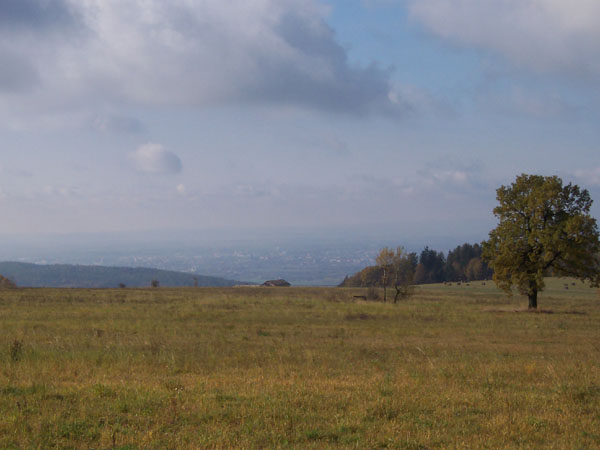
[(433, 263), (544, 227), (476, 269), (464, 263)]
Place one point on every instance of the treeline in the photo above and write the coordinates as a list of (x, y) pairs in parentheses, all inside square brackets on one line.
[(464, 263)]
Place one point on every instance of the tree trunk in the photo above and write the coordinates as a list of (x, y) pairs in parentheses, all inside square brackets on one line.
[(396, 285), (533, 299), (384, 285)]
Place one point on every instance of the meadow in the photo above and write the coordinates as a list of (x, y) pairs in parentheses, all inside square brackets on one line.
[(451, 367)]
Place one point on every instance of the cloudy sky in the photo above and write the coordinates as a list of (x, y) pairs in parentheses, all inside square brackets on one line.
[(137, 115)]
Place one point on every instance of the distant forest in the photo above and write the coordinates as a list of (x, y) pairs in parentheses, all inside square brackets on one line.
[(464, 263)]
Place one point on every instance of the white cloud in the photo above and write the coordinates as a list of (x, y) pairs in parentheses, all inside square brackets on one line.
[(255, 190), (543, 35), (448, 173), (448, 178), (154, 159), (589, 176), (60, 191), (180, 189), (181, 52)]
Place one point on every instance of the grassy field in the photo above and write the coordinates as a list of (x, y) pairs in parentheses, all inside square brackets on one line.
[(453, 367)]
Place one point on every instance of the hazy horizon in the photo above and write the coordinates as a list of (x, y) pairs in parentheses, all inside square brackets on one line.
[(316, 257)]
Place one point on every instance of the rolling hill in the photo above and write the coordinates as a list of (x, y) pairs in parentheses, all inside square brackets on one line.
[(67, 275)]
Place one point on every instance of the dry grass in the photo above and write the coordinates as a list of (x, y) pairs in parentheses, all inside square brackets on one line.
[(298, 368)]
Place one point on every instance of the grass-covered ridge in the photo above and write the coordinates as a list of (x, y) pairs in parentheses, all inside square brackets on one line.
[(455, 366), (81, 276)]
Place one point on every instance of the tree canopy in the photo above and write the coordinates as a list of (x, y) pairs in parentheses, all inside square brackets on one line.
[(431, 267), (544, 228)]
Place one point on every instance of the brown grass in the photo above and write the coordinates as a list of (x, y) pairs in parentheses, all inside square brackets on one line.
[(298, 368)]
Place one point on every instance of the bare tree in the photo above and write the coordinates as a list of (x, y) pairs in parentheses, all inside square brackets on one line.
[(397, 269), (403, 269), (385, 260)]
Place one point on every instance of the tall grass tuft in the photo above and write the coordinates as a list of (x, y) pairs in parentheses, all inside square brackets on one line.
[(16, 350)]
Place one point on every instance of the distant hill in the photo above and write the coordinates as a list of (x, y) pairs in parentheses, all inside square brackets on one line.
[(67, 275)]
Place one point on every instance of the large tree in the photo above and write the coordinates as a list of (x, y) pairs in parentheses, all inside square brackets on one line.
[(544, 228)]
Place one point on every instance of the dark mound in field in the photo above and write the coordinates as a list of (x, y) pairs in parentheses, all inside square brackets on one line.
[(276, 283)]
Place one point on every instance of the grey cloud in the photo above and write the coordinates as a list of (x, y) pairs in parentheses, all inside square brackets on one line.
[(20, 173), (327, 81), (35, 15), (353, 91), (17, 74), (118, 124), (198, 53)]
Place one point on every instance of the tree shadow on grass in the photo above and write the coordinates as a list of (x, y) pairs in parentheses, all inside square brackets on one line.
[(534, 311)]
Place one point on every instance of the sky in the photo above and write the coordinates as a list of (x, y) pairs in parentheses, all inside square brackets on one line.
[(399, 115)]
